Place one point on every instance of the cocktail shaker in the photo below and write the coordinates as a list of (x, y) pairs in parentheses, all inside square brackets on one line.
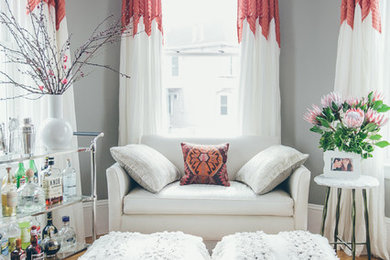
[(28, 135)]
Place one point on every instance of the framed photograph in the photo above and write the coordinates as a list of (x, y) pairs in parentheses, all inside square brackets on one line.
[(341, 164)]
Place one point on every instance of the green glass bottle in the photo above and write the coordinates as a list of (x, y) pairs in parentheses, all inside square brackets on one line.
[(34, 168), (20, 175)]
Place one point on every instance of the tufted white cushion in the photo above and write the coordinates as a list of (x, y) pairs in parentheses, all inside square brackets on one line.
[(270, 167), (238, 199), (146, 166)]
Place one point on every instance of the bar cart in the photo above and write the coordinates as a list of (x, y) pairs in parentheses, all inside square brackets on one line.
[(11, 159)]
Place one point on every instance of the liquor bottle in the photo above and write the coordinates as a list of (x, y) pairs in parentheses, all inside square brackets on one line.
[(34, 251), (35, 221), (20, 177), (52, 184), (67, 235), (9, 197), (34, 168), (4, 242), (51, 245), (13, 234), (49, 226), (69, 178), (25, 233), (31, 197), (44, 168), (18, 253)]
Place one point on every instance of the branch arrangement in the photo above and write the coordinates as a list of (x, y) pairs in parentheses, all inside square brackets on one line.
[(47, 65), (350, 125)]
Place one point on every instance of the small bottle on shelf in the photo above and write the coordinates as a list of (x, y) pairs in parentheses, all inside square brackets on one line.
[(34, 168), (13, 234), (51, 245), (67, 235), (20, 175), (49, 226), (69, 178), (31, 197), (52, 184), (4, 242), (34, 251), (9, 196), (18, 253), (25, 233)]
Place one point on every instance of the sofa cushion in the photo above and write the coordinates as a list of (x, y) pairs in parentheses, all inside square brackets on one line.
[(201, 199), (270, 167), (146, 166), (241, 149), (205, 164)]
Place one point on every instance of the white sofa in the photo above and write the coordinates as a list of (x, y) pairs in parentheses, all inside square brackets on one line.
[(209, 211)]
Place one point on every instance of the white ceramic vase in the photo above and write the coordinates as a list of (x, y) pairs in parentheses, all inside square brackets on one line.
[(342, 165), (56, 133)]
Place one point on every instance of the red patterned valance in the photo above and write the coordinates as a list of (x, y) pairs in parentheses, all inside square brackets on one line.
[(147, 9), (59, 6), (264, 10), (348, 11)]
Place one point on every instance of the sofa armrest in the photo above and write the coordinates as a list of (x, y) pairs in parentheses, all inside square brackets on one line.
[(119, 184), (298, 186)]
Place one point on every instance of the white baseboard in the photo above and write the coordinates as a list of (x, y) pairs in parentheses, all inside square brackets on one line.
[(101, 217), (314, 218)]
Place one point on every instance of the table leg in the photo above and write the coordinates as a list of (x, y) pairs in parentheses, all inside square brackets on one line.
[(368, 243), (325, 211), (353, 242), (336, 228)]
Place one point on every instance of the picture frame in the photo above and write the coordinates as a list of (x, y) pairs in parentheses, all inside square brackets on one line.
[(341, 164)]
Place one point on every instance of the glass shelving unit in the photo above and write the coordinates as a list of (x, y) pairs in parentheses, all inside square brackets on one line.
[(11, 159)]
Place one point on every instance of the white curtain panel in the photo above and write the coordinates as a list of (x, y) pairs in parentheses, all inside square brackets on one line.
[(38, 109), (141, 96), (259, 97), (358, 71)]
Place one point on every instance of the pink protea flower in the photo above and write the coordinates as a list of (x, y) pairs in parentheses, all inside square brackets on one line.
[(353, 102), (374, 117), (354, 118), (311, 115), (64, 81), (327, 100), (377, 95)]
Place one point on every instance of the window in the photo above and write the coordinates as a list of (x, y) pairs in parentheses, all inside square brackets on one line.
[(200, 66)]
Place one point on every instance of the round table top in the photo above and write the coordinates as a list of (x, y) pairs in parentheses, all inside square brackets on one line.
[(362, 182)]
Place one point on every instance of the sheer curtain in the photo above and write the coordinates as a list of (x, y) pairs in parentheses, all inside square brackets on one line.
[(38, 109), (259, 98), (358, 71), (141, 96)]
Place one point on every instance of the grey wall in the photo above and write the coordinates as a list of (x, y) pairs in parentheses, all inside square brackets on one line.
[(309, 33), (96, 97)]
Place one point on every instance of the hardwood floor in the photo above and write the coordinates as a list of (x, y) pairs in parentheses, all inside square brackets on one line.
[(341, 254)]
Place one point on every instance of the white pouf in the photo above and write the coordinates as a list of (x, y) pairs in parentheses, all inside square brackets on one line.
[(294, 245), (137, 246)]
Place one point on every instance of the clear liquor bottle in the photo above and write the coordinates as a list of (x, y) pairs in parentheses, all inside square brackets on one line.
[(9, 196), (20, 175), (31, 197), (69, 178), (67, 235), (52, 184)]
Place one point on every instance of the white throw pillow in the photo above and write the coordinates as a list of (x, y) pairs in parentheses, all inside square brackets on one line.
[(149, 168), (270, 167)]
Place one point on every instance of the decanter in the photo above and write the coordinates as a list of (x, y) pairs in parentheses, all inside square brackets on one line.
[(51, 245), (34, 251), (67, 235), (31, 197), (9, 196), (52, 184), (69, 178)]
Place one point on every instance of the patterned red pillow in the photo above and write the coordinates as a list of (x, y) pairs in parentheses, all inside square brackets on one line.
[(205, 164)]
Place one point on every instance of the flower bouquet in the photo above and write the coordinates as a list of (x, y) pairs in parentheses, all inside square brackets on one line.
[(350, 125)]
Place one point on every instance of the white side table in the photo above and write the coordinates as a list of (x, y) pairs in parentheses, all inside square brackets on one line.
[(363, 183)]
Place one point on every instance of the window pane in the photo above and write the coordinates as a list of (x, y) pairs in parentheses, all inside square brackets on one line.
[(200, 66)]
